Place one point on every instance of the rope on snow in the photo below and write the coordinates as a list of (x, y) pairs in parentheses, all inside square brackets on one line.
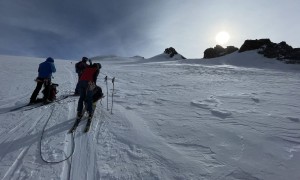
[(41, 154)]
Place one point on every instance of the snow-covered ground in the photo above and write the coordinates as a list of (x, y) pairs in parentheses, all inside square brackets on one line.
[(233, 117)]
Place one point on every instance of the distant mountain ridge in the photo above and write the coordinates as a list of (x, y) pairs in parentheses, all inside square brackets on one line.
[(169, 54), (281, 51), (218, 51)]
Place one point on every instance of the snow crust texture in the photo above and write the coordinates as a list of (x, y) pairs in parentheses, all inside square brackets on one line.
[(232, 118)]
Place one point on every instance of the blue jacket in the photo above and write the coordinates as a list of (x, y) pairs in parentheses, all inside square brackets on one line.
[(47, 68)]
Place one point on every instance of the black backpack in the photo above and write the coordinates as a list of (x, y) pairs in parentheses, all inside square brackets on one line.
[(97, 93), (53, 92)]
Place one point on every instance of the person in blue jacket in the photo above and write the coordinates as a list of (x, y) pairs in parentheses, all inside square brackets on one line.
[(44, 78)]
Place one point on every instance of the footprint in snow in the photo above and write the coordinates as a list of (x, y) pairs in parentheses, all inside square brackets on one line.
[(209, 103), (212, 104), (293, 119), (130, 108), (221, 113), (255, 99)]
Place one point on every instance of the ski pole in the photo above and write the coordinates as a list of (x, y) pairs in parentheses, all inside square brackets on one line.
[(106, 92), (112, 94)]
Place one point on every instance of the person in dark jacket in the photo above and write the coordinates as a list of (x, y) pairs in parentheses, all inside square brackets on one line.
[(80, 67), (44, 78), (86, 86)]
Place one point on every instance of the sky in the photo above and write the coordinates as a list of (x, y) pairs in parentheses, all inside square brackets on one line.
[(71, 29)]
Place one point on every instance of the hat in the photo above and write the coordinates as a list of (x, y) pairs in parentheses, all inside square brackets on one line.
[(50, 59), (84, 59)]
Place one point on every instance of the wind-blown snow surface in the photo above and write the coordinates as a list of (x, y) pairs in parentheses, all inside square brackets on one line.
[(222, 118)]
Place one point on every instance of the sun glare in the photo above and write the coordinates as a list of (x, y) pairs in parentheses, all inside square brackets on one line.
[(222, 37)]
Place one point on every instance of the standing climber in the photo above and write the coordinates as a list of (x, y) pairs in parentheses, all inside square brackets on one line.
[(79, 68), (87, 86)]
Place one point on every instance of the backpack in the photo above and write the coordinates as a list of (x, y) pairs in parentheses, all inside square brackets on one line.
[(97, 93), (53, 91)]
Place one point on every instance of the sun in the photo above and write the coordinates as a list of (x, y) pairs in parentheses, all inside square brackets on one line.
[(222, 37)]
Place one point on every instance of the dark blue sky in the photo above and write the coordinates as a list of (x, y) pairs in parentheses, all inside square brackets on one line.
[(71, 29)]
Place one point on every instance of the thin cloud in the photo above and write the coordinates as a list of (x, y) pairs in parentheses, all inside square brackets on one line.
[(73, 28)]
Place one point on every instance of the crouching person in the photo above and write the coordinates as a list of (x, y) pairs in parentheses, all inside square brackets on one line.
[(44, 78)]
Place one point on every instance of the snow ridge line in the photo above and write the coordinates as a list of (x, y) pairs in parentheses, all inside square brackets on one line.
[(41, 155)]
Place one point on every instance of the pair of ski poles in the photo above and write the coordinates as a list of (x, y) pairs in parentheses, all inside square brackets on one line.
[(112, 94)]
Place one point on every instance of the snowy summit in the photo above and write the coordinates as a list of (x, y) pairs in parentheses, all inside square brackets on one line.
[(227, 118)]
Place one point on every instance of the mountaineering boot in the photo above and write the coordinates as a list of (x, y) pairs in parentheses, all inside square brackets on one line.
[(47, 101), (88, 124), (74, 126), (32, 101), (78, 119)]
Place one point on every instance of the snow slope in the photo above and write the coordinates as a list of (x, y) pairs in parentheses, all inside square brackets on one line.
[(233, 117)]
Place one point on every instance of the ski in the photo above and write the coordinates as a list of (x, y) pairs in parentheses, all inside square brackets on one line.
[(44, 104), (28, 107), (20, 107)]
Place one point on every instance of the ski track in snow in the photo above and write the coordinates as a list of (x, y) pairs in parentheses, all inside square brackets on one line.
[(28, 138), (170, 120)]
